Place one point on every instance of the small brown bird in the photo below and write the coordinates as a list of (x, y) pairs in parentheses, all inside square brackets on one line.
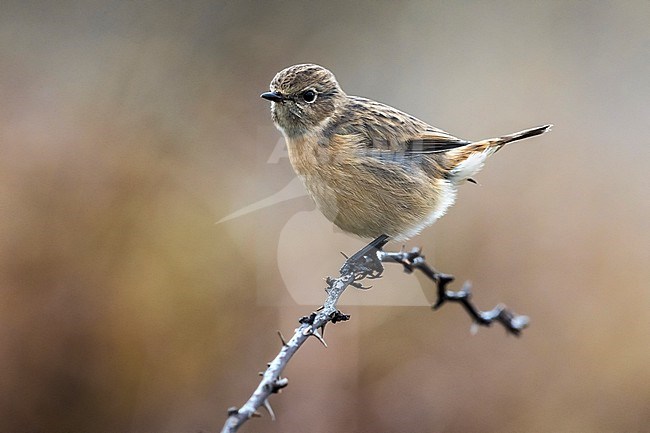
[(370, 168)]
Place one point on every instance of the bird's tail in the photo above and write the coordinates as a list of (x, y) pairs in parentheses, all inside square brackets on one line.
[(468, 160), (499, 142)]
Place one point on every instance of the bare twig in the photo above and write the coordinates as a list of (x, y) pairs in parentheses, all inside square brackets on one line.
[(411, 260), (366, 263)]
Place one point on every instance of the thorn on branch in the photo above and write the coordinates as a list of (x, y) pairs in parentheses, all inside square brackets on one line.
[(319, 338), (284, 343), (314, 332), (269, 409)]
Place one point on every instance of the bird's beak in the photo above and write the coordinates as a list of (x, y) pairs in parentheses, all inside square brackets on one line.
[(272, 96)]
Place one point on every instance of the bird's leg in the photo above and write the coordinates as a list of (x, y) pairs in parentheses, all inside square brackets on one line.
[(365, 263)]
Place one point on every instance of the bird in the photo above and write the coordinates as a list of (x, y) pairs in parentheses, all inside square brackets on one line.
[(372, 169)]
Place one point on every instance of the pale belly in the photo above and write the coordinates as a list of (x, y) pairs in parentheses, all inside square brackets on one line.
[(368, 207), (367, 196)]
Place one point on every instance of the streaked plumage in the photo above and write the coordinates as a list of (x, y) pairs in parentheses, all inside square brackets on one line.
[(370, 168)]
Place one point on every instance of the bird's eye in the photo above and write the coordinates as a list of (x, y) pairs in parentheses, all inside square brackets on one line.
[(309, 96)]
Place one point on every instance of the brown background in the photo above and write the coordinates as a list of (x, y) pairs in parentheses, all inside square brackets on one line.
[(127, 129)]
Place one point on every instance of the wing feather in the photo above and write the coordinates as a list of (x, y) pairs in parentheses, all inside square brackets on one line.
[(433, 142), (387, 129)]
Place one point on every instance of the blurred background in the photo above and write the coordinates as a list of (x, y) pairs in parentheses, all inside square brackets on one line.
[(128, 129)]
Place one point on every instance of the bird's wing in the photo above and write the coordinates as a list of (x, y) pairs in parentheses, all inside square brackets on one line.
[(433, 142), (388, 129)]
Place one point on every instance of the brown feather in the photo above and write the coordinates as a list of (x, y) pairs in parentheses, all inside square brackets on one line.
[(371, 168)]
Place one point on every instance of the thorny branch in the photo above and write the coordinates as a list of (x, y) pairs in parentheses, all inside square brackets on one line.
[(366, 263), (413, 259)]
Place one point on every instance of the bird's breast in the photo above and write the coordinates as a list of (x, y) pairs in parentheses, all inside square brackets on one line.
[(363, 194)]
